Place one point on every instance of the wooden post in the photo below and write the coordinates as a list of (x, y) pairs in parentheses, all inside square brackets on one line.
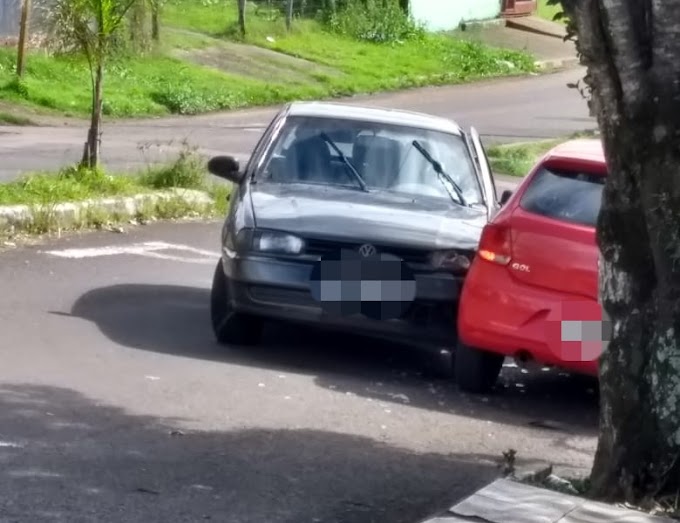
[(23, 32)]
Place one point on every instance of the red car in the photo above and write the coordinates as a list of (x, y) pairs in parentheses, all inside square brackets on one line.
[(532, 289)]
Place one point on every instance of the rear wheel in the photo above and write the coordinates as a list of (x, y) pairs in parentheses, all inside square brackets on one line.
[(230, 327), (476, 370)]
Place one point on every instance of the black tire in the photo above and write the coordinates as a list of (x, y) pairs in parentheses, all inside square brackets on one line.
[(229, 327), (439, 365), (476, 370)]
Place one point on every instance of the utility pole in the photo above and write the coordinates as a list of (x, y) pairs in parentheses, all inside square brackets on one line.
[(23, 32)]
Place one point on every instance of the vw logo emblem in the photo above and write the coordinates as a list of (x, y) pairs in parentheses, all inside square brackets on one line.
[(367, 250)]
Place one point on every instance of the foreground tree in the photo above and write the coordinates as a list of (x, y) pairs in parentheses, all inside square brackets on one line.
[(631, 49), (90, 27)]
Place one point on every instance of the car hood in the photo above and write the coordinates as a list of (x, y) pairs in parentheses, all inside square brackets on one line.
[(379, 217)]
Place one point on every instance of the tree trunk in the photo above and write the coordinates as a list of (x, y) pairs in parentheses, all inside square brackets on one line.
[(633, 57), (92, 147), (242, 17), (23, 34), (155, 25), (289, 14)]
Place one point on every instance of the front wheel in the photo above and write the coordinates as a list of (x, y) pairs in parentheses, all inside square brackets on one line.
[(230, 327), (476, 370)]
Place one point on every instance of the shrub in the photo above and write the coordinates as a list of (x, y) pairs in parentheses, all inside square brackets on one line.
[(378, 21), (185, 99), (187, 171)]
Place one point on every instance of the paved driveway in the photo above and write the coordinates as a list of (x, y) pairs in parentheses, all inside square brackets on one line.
[(117, 405)]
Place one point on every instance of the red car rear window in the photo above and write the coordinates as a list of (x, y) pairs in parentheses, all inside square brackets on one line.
[(570, 196)]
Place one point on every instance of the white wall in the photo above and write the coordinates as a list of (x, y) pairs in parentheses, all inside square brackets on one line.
[(443, 15)]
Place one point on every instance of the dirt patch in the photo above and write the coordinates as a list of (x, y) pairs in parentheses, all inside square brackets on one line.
[(257, 62), (19, 115)]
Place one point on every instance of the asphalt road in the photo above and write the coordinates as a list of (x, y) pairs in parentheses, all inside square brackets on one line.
[(501, 110), (117, 405)]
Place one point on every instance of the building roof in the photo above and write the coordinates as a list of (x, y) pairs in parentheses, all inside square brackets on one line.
[(373, 114)]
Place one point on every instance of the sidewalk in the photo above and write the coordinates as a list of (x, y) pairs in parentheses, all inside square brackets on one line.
[(507, 501), (542, 38)]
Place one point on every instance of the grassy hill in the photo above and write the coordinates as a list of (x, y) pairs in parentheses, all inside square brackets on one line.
[(202, 64)]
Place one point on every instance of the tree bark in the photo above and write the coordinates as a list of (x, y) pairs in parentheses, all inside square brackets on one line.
[(23, 34), (289, 14), (92, 148), (632, 52), (242, 17), (155, 25)]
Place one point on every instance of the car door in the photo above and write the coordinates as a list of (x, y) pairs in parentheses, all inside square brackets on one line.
[(485, 171)]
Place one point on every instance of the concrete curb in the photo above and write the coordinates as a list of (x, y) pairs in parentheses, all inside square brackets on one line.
[(18, 218), (558, 63), (537, 26)]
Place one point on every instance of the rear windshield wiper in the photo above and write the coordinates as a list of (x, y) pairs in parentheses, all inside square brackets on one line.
[(349, 164), (440, 171)]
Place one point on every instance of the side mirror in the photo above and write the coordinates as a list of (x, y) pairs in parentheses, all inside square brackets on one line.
[(226, 167), (505, 196)]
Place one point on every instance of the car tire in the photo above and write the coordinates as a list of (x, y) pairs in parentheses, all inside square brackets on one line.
[(229, 327), (439, 365), (476, 370)]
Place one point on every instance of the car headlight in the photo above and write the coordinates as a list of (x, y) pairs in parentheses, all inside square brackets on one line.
[(270, 241), (450, 260)]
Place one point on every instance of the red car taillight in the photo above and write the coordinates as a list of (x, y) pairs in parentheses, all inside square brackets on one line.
[(495, 244)]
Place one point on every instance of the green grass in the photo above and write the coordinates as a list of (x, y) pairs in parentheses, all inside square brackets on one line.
[(548, 11), (367, 67), (517, 159), (153, 85), (73, 184), (13, 119), (42, 192), (67, 185), (161, 83)]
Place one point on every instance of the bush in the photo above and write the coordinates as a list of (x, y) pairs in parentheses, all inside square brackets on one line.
[(190, 100), (378, 21), (187, 171)]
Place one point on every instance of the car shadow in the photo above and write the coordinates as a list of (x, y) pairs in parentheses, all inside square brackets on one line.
[(175, 320), (65, 458)]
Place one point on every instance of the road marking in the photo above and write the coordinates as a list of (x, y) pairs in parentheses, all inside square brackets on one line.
[(146, 249)]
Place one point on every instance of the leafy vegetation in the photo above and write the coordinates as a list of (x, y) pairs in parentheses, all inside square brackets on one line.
[(374, 21), (548, 11), (202, 64), (76, 183), (13, 119), (517, 159)]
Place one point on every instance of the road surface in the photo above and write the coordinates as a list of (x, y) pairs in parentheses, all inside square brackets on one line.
[(117, 405), (501, 110)]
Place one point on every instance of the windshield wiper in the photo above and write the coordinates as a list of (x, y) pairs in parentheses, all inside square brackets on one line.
[(349, 164), (440, 171)]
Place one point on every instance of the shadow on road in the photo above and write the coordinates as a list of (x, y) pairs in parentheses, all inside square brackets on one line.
[(65, 458), (175, 320)]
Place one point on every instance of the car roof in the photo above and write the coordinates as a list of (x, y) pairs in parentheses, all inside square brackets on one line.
[(373, 114), (589, 149)]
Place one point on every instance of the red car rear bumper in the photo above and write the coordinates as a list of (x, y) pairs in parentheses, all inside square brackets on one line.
[(501, 315)]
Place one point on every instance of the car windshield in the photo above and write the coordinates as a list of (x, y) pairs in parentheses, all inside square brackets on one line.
[(372, 156)]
